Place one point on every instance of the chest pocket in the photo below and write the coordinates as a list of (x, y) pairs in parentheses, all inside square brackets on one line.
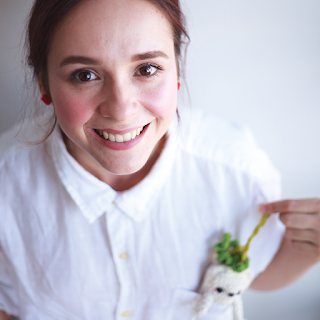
[(181, 308)]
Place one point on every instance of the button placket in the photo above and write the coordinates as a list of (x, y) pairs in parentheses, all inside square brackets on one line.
[(121, 237), (126, 314), (124, 255)]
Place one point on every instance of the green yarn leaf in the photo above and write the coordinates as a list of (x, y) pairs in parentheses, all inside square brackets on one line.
[(236, 257), (228, 254), (225, 244), (225, 258), (240, 266), (234, 243)]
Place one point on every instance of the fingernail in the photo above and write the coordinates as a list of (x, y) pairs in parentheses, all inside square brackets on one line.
[(262, 208)]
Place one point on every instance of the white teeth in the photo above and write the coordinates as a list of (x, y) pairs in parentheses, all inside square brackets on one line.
[(127, 137), (111, 137), (118, 137)]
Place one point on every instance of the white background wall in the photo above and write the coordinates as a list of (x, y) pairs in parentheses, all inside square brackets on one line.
[(251, 61)]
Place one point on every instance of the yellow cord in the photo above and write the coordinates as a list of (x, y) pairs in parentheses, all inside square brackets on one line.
[(244, 250)]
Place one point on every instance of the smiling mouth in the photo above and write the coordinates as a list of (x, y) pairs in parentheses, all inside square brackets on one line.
[(118, 137)]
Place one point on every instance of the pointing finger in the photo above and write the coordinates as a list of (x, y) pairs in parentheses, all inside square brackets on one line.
[(301, 205)]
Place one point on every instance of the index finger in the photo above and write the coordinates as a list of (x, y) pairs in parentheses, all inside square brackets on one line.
[(300, 205)]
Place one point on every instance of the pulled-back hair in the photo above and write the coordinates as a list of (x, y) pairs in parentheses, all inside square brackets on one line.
[(46, 15)]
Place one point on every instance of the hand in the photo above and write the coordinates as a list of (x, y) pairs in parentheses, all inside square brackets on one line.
[(4, 316), (302, 221)]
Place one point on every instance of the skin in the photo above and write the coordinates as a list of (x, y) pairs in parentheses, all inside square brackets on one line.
[(120, 98), (113, 38), (300, 248), (113, 35), (4, 316)]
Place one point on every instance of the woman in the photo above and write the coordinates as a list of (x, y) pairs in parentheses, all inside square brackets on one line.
[(115, 213)]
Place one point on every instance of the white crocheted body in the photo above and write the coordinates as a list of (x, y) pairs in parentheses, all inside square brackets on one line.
[(224, 286)]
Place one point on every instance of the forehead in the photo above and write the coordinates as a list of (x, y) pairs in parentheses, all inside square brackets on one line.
[(124, 26)]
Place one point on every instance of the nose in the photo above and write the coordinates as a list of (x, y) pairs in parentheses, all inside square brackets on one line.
[(118, 100)]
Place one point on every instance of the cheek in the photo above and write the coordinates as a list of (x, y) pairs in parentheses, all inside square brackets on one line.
[(162, 99), (72, 109)]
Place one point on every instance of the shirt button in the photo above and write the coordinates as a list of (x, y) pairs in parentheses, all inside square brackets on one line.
[(113, 202), (124, 255), (126, 314)]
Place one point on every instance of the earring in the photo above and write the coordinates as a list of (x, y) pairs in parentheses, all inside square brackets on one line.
[(179, 85), (46, 99)]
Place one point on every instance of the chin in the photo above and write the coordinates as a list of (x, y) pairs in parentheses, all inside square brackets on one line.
[(124, 167)]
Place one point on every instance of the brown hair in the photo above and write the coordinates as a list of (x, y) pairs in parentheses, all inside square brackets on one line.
[(45, 16)]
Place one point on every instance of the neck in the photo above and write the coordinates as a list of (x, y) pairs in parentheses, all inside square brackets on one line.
[(116, 182)]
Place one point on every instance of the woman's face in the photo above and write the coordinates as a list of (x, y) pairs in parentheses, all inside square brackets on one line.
[(112, 72)]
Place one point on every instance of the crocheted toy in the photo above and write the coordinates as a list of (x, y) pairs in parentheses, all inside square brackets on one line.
[(224, 283)]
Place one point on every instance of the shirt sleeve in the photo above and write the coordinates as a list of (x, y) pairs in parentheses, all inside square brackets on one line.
[(8, 299)]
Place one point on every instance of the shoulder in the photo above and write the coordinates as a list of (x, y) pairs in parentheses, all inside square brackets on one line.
[(20, 163), (208, 133), (25, 170), (14, 147), (211, 137), (224, 144)]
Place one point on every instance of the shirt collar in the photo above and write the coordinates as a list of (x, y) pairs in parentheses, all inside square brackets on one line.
[(137, 201), (91, 195), (94, 197)]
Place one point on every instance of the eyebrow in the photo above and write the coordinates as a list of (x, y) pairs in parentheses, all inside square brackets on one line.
[(137, 57), (78, 59), (149, 55)]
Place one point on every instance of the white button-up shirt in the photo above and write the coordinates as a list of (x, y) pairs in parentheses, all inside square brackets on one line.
[(73, 248)]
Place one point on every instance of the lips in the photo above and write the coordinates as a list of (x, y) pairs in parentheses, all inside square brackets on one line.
[(115, 137), (117, 141)]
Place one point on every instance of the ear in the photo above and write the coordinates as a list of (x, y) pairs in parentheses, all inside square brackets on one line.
[(41, 88), (45, 96)]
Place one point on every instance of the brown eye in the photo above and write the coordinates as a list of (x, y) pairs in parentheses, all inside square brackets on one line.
[(85, 76), (147, 70)]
